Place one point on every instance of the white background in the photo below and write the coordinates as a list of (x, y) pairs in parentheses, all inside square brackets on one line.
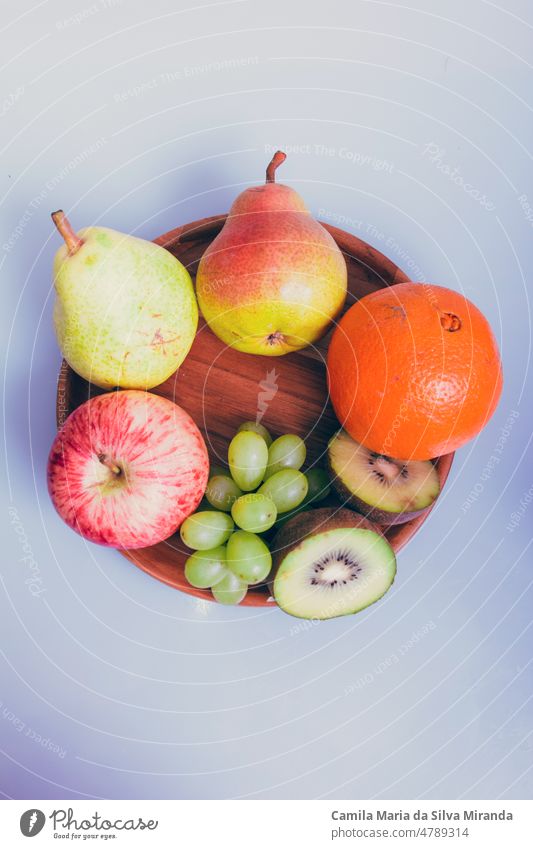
[(142, 116)]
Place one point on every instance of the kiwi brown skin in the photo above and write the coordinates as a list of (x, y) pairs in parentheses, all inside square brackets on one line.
[(373, 514), (311, 522)]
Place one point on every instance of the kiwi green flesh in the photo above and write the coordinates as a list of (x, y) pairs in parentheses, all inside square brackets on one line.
[(334, 573), (386, 490)]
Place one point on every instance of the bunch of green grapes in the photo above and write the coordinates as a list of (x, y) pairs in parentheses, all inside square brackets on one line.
[(263, 488)]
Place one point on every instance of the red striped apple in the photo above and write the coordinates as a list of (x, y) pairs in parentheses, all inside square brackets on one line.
[(127, 468)]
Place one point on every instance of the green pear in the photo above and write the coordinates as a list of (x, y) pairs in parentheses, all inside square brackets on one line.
[(126, 312)]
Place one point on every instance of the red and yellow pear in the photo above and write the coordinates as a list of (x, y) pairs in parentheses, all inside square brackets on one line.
[(274, 279)]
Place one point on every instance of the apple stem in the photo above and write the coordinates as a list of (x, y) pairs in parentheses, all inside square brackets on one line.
[(104, 459), (278, 158), (72, 240)]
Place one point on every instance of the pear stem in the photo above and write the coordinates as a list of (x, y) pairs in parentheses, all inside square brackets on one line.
[(72, 240), (104, 459), (278, 158)]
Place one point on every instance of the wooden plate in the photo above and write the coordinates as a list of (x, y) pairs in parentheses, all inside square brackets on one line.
[(220, 388)]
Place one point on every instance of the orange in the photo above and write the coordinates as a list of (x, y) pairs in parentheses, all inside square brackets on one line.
[(414, 371)]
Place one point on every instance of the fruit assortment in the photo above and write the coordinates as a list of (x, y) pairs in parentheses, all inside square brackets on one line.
[(413, 372)]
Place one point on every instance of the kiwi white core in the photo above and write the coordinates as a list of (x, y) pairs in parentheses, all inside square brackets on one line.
[(334, 573), (393, 485)]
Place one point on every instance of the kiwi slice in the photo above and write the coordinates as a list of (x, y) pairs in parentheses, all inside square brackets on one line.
[(385, 490), (330, 563)]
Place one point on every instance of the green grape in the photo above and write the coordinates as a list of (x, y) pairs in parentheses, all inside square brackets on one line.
[(255, 427), (206, 530), (319, 487), (254, 512), (287, 489), (222, 492), (230, 590), (204, 569), (247, 456), (286, 452), (248, 557)]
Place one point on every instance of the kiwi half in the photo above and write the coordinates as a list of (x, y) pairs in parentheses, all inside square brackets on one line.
[(330, 563), (385, 490)]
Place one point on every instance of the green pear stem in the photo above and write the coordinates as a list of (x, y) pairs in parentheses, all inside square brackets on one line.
[(104, 459), (72, 240), (278, 158)]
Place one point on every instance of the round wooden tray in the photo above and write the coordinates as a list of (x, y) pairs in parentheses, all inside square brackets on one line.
[(220, 388)]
